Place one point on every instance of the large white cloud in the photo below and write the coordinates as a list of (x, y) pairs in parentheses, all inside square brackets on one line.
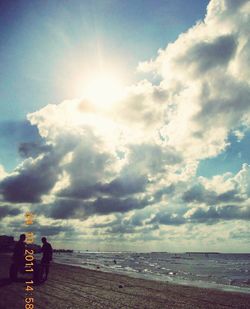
[(205, 75)]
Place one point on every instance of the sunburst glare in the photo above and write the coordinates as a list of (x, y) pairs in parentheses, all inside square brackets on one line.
[(103, 89)]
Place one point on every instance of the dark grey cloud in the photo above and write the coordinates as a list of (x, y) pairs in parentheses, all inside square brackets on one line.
[(112, 205), (89, 169), (153, 158), (121, 225), (143, 160), (168, 190), (36, 176), (229, 196), (63, 208), (33, 149), (8, 211), (125, 185), (213, 214), (139, 217), (52, 229), (66, 208), (31, 180), (12, 133), (209, 215), (143, 109), (198, 194), (235, 94), (80, 190), (205, 56)]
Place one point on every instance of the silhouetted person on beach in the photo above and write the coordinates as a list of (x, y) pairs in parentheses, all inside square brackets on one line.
[(47, 257), (18, 258), (19, 252)]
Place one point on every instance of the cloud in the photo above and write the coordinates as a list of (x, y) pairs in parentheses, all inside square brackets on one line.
[(137, 161), (212, 215), (208, 215), (125, 185), (32, 149), (206, 56), (53, 229), (110, 205), (241, 234), (198, 194), (243, 180), (80, 158), (7, 211), (168, 219), (3, 173), (31, 179), (143, 108), (65, 208), (206, 80), (12, 133)]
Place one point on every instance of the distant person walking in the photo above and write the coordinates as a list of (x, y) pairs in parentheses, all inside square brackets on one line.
[(47, 257)]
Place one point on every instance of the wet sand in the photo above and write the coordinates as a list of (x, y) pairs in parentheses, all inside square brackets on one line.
[(71, 287)]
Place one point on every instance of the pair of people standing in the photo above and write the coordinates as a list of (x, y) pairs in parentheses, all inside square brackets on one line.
[(19, 255)]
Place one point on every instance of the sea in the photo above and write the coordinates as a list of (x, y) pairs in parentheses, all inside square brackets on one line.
[(212, 270)]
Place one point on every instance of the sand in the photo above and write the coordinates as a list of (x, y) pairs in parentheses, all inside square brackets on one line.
[(74, 287)]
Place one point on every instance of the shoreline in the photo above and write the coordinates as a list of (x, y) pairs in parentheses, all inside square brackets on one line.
[(76, 287), (159, 278)]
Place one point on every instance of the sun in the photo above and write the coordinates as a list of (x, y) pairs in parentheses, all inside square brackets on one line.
[(103, 89)]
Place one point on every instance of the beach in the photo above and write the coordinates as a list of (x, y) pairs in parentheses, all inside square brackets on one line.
[(70, 287)]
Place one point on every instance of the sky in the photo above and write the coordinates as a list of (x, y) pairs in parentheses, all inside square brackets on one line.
[(124, 125)]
